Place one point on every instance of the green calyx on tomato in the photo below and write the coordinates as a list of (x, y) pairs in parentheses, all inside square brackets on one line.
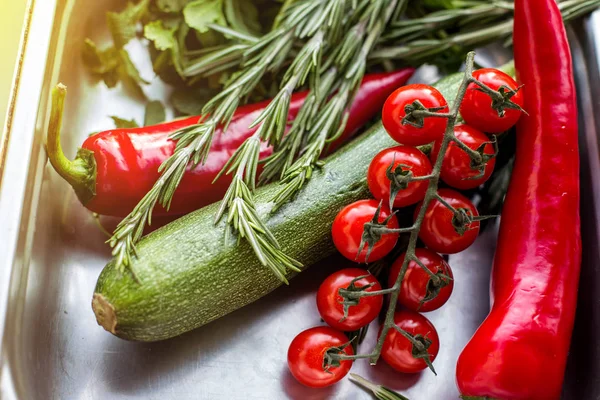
[(416, 119), (365, 231), (334, 356), (373, 232), (436, 283), (352, 287), (493, 102)]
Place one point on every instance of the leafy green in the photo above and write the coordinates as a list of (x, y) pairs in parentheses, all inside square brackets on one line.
[(199, 14), (130, 76), (242, 15), (121, 123), (113, 65), (103, 64), (123, 25), (171, 6), (155, 113), (163, 38), (190, 102)]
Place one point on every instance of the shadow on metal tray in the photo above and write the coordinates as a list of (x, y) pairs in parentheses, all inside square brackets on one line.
[(582, 379)]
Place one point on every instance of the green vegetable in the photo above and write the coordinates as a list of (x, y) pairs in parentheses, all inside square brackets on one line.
[(155, 113), (200, 13), (191, 275), (122, 123)]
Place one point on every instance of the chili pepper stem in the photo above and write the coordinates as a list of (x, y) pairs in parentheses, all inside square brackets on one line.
[(80, 172)]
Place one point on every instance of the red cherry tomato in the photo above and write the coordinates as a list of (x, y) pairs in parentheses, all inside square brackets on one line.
[(348, 228), (397, 350), (411, 159), (441, 230), (476, 108), (457, 169), (418, 285), (307, 353), (329, 300), (394, 111)]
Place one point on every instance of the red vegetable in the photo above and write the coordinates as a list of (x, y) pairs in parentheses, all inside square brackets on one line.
[(420, 291), (349, 226), (405, 159), (520, 350), (400, 353), (116, 168), (306, 356), (458, 170), (477, 107), (442, 231), (329, 300), (416, 132)]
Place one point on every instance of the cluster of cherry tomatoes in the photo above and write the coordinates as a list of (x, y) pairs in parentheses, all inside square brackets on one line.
[(368, 230)]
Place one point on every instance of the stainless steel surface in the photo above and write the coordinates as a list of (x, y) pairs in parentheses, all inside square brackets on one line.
[(583, 370), (52, 347)]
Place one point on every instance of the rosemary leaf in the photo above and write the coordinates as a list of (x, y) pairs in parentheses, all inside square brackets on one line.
[(381, 392)]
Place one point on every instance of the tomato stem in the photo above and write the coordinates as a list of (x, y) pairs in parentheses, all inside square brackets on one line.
[(430, 195), (462, 219), (432, 276)]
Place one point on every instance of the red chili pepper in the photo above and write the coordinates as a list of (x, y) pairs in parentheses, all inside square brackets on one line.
[(114, 169), (520, 350)]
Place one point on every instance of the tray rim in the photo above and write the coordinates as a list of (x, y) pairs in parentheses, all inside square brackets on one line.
[(23, 100), (26, 95)]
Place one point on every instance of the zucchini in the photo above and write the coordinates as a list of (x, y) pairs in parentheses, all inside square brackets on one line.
[(189, 276)]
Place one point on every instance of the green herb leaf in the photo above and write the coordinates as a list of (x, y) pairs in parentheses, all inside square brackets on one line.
[(121, 123), (171, 6), (130, 75), (155, 113), (190, 102), (163, 38), (242, 16), (123, 25), (113, 65), (103, 64), (200, 13), (381, 392)]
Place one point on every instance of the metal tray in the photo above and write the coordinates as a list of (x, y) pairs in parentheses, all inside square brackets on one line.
[(51, 253)]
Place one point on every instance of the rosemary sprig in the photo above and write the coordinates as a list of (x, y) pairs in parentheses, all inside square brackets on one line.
[(348, 67), (413, 39), (313, 20), (381, 392), (271, 123)]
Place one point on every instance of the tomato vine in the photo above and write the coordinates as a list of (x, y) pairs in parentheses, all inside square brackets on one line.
[(461, 217)]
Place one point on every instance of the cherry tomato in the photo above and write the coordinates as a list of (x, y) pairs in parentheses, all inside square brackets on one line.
[(458, 170), (394, 112), (329, 300), (477, 109), (412, 160), (348, 228), (306, 356), (444, 232), (399, 352), (418, 285)]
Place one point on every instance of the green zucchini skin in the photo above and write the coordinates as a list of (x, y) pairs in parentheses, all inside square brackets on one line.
[(190, 276)]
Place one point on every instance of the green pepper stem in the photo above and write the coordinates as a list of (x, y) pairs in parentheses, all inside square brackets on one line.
[(80, 172)]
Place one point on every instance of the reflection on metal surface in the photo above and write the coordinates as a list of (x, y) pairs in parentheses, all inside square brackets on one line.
[(54, 348)]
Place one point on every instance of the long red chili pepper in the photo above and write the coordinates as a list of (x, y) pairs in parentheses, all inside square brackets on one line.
[(520, 350), (114, 169)]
